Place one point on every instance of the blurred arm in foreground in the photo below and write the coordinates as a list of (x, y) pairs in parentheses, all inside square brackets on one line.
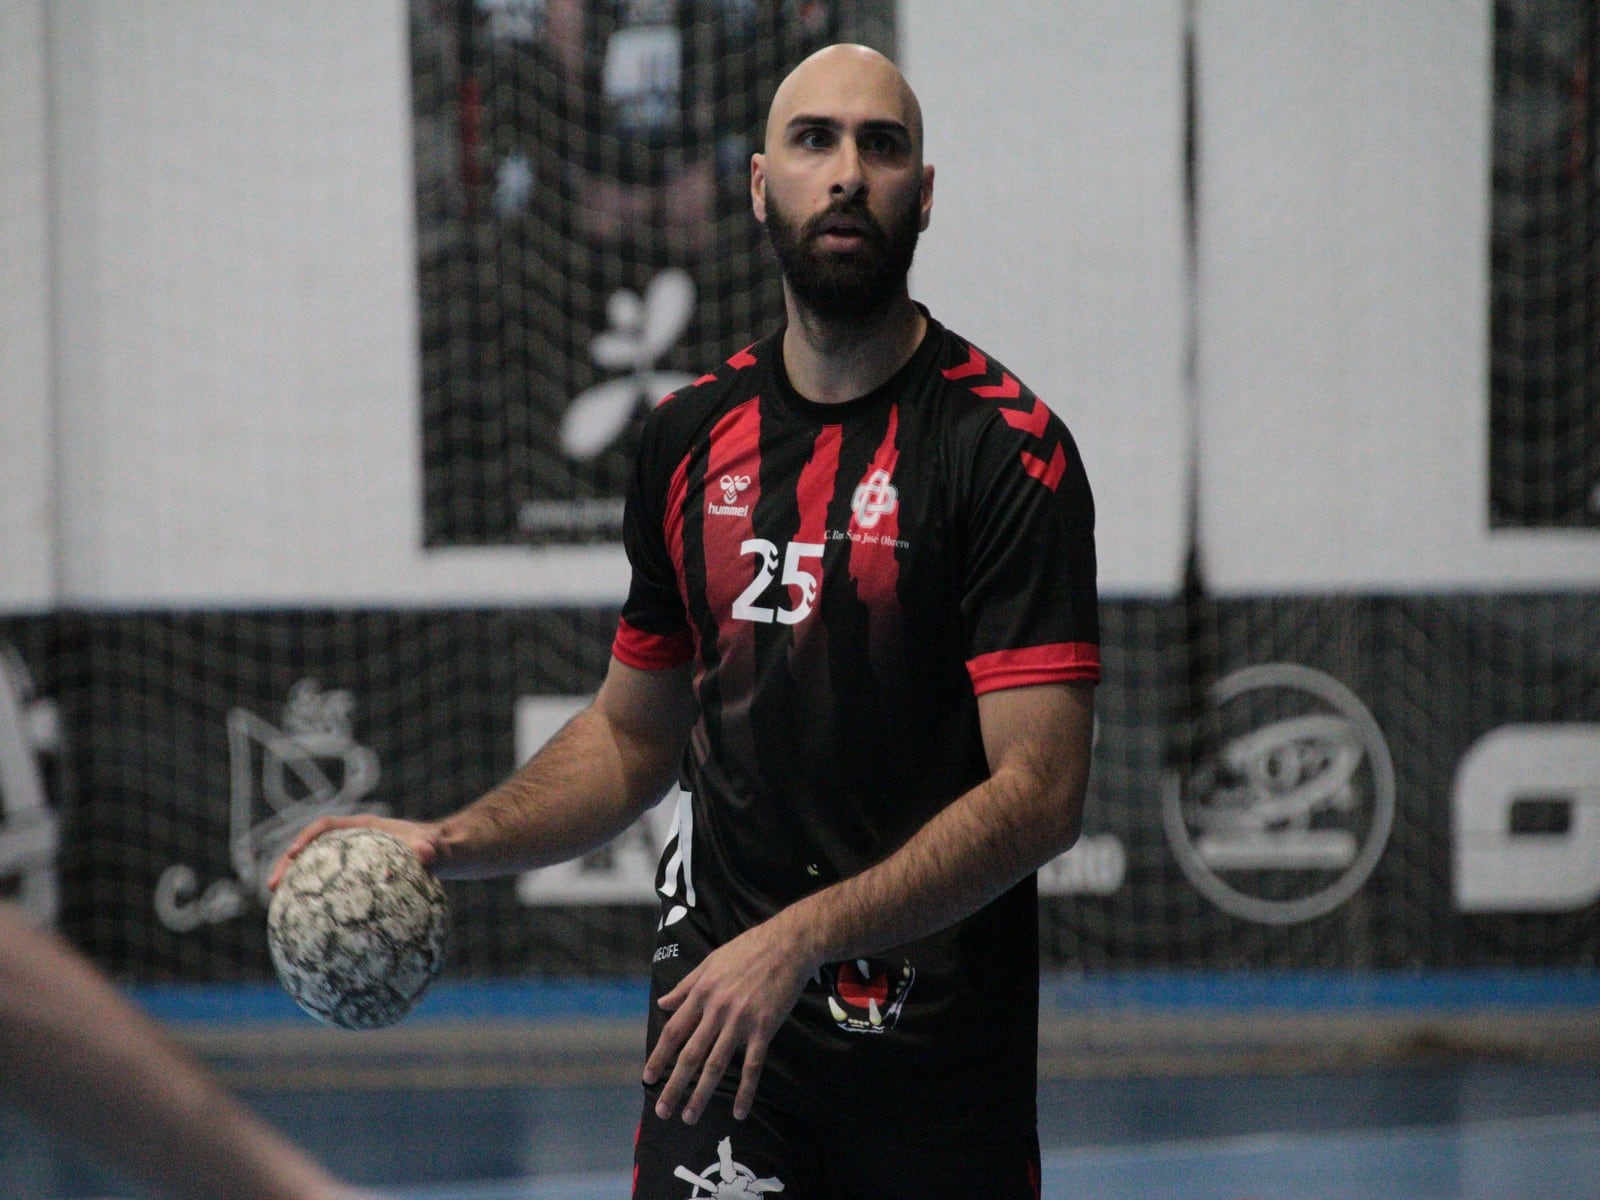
[(87, 1063)]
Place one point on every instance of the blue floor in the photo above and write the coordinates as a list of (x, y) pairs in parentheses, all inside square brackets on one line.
[(1469, 1131), (1552, 1158), (1449, 1127)]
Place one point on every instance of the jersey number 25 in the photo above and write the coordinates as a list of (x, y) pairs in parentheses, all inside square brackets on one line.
[(796, 574)]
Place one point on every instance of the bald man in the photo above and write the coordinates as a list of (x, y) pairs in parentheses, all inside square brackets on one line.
[(862, 635)]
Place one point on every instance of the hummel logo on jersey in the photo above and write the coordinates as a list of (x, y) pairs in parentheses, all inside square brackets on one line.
[(874, 499), (731, 486)]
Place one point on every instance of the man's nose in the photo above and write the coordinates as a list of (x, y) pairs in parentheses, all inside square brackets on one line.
[(849, 183)]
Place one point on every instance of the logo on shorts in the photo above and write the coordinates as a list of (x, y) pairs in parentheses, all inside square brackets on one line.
[(866, 995), (726, 1179), (874, 499)]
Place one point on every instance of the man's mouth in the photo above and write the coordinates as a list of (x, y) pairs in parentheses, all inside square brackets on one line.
[(840, 232)]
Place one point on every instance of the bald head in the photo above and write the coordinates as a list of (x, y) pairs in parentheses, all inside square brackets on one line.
[(846, 78)]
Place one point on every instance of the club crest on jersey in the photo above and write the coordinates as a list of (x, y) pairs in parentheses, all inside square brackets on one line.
[(866, 995), (731, 486), (874, 498)]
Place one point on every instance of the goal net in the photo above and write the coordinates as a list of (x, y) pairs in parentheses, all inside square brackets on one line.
[(585, 240), (1284, 781), (1545, 265)]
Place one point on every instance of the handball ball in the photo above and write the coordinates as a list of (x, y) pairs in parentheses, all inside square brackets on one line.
[(357, 928)]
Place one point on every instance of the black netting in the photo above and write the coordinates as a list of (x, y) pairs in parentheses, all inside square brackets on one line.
[(178, 745), (585, 243), (1545, 265)]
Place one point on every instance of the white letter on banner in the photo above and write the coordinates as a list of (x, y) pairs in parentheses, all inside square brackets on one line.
[(1499, 870)]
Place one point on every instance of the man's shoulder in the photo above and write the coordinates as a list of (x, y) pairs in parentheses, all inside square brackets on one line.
[(738, 373), (982, 390), (688, 413), (999, 425)]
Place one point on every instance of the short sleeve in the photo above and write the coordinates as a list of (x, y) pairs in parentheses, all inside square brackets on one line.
[(1029, 600), (653, 633)]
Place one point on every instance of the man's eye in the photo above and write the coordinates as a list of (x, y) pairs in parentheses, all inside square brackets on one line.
[(814, 139), (883, 145)]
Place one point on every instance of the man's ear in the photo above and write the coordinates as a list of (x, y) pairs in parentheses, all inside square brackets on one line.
[(758, 186), (927, 197)]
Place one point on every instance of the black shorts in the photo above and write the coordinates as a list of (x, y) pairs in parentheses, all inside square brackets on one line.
[(774, 1154)]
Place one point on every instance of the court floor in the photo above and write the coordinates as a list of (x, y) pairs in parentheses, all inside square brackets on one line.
[(1457, 1131), (1228, 1088)]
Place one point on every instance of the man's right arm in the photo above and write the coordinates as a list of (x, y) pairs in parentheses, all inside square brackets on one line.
[(591, 781)]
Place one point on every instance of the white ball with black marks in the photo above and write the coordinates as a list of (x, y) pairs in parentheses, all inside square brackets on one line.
[(358, 928)]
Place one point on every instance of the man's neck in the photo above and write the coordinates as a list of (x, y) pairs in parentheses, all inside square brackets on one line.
[(833, 361)]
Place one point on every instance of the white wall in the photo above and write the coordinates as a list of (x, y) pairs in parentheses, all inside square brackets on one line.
[(239, 388), (1344, 304), (232, 377), (238, 384), (27, 453), (1056, 131)]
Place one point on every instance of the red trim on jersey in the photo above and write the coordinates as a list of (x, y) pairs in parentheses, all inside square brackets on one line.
[(873, 566), (672, 524), (735, 455), (1029, 422), (651, 651), (1007, 389), (1055, 663), (976, 364), (744, 358), (1047, 473), (815, 488)]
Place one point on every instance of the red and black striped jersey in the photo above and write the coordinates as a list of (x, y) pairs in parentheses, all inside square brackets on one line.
[(846, 580)]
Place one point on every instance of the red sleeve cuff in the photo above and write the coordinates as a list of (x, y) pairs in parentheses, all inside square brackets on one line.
[(651, 651), (1055, 663)]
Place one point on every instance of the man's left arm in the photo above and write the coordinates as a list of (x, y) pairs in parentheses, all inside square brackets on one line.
[(1028, 811)]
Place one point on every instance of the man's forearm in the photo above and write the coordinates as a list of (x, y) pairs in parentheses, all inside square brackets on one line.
[(588, 784), (981, 844)]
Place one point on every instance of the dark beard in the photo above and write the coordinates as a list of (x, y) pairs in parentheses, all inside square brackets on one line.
[(845, 288)]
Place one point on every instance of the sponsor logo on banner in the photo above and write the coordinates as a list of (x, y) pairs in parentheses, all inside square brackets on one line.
[(29, 833), (1288, 816), (1526, 814), (642, 330), (726, 1179), (281, 780), (1097, 865)]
